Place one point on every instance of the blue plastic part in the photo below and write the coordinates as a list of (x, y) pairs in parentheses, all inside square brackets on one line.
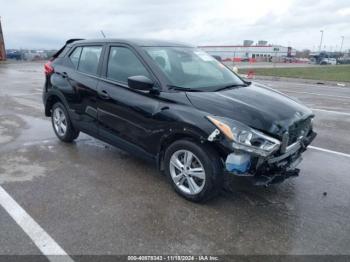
[(238, 168), (238, 163)]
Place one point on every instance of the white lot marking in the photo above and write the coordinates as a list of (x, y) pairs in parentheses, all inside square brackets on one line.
[(41, 239), (329, 151), (315, 94), (332, 112)]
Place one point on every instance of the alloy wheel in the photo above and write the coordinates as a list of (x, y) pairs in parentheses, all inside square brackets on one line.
[(187, 172), (59, 121)]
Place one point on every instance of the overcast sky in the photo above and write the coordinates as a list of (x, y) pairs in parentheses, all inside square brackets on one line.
[(48, 24)]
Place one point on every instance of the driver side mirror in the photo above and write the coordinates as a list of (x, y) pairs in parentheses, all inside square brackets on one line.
[(140, 83)]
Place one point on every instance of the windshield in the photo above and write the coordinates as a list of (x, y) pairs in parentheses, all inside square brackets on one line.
[(192, 69)]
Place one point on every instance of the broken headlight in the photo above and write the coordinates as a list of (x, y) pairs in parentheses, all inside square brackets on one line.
[(245, 138)]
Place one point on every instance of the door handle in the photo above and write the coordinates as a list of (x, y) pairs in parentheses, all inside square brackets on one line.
[(104, 94)]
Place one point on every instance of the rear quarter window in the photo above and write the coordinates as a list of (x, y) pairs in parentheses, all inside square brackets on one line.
[(89, 59), (64, 51), (75, 56)]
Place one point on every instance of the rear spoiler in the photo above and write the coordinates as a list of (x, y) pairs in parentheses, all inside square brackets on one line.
[(69, 41)]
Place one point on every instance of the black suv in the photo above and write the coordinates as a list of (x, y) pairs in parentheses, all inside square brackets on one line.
[(178, 106)]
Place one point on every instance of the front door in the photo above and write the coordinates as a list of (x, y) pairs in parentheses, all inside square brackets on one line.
[(126, 115)]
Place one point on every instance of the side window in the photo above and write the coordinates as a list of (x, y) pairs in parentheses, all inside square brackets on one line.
[(74, 57), (89, 59), (123, 63)]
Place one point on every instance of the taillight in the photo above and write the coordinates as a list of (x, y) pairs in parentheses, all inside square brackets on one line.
[(48, 69)]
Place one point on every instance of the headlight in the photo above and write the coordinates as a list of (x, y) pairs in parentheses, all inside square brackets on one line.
[(245, 138)]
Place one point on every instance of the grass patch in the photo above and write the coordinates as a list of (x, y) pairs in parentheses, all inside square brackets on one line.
[(339, 73)]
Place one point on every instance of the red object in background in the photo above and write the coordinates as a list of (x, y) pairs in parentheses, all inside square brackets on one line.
[(252, 60), (237, 59), (227, 60), (48, 69), (2, 46), (251, 74)]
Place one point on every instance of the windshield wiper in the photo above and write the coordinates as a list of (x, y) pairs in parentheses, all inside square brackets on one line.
[(181, 88), (232, 86)]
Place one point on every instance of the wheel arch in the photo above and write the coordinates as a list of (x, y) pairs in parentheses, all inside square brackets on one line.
[(52, 98), (181, 135)]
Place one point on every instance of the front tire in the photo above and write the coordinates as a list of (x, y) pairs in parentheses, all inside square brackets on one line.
[(62, 124), (194, 170)]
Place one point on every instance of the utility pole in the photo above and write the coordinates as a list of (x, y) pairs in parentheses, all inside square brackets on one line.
[(2, 45), (321, 40), (342, 41)]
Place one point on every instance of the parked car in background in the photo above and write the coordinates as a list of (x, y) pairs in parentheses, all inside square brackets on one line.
[(328, 61), (177, 106), (14, 54), (344, 60)]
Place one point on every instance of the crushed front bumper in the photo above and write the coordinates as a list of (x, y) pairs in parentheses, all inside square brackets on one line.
[(280, 166)]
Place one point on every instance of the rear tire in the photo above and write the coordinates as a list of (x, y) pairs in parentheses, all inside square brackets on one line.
[(62, 124), (194, 170)]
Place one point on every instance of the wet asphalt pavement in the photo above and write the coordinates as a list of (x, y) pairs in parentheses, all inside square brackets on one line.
[(92, 198)]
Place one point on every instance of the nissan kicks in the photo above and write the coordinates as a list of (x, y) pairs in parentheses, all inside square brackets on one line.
[(178, 106)]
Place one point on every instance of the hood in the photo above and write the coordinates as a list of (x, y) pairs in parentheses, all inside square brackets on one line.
[(256, 105)]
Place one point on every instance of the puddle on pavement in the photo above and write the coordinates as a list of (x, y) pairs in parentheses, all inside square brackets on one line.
[(18, 168), (29, 148), (36, 129), (15, 165), (15, 130), (20, 105), (9, 128)]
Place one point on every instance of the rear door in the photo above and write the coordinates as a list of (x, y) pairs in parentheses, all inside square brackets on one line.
[(83, 78), (125, 115)]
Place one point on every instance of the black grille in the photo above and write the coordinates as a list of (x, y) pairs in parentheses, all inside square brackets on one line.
[(298, 129)]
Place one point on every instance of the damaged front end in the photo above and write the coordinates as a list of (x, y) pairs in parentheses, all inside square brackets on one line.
[(264, 159)]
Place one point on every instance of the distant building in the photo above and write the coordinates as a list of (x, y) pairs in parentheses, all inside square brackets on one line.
[(257, 52), (2, 45), (248, 42), (262, 42)]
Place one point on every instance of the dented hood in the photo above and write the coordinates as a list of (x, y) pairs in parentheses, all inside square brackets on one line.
[(255, 105)]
